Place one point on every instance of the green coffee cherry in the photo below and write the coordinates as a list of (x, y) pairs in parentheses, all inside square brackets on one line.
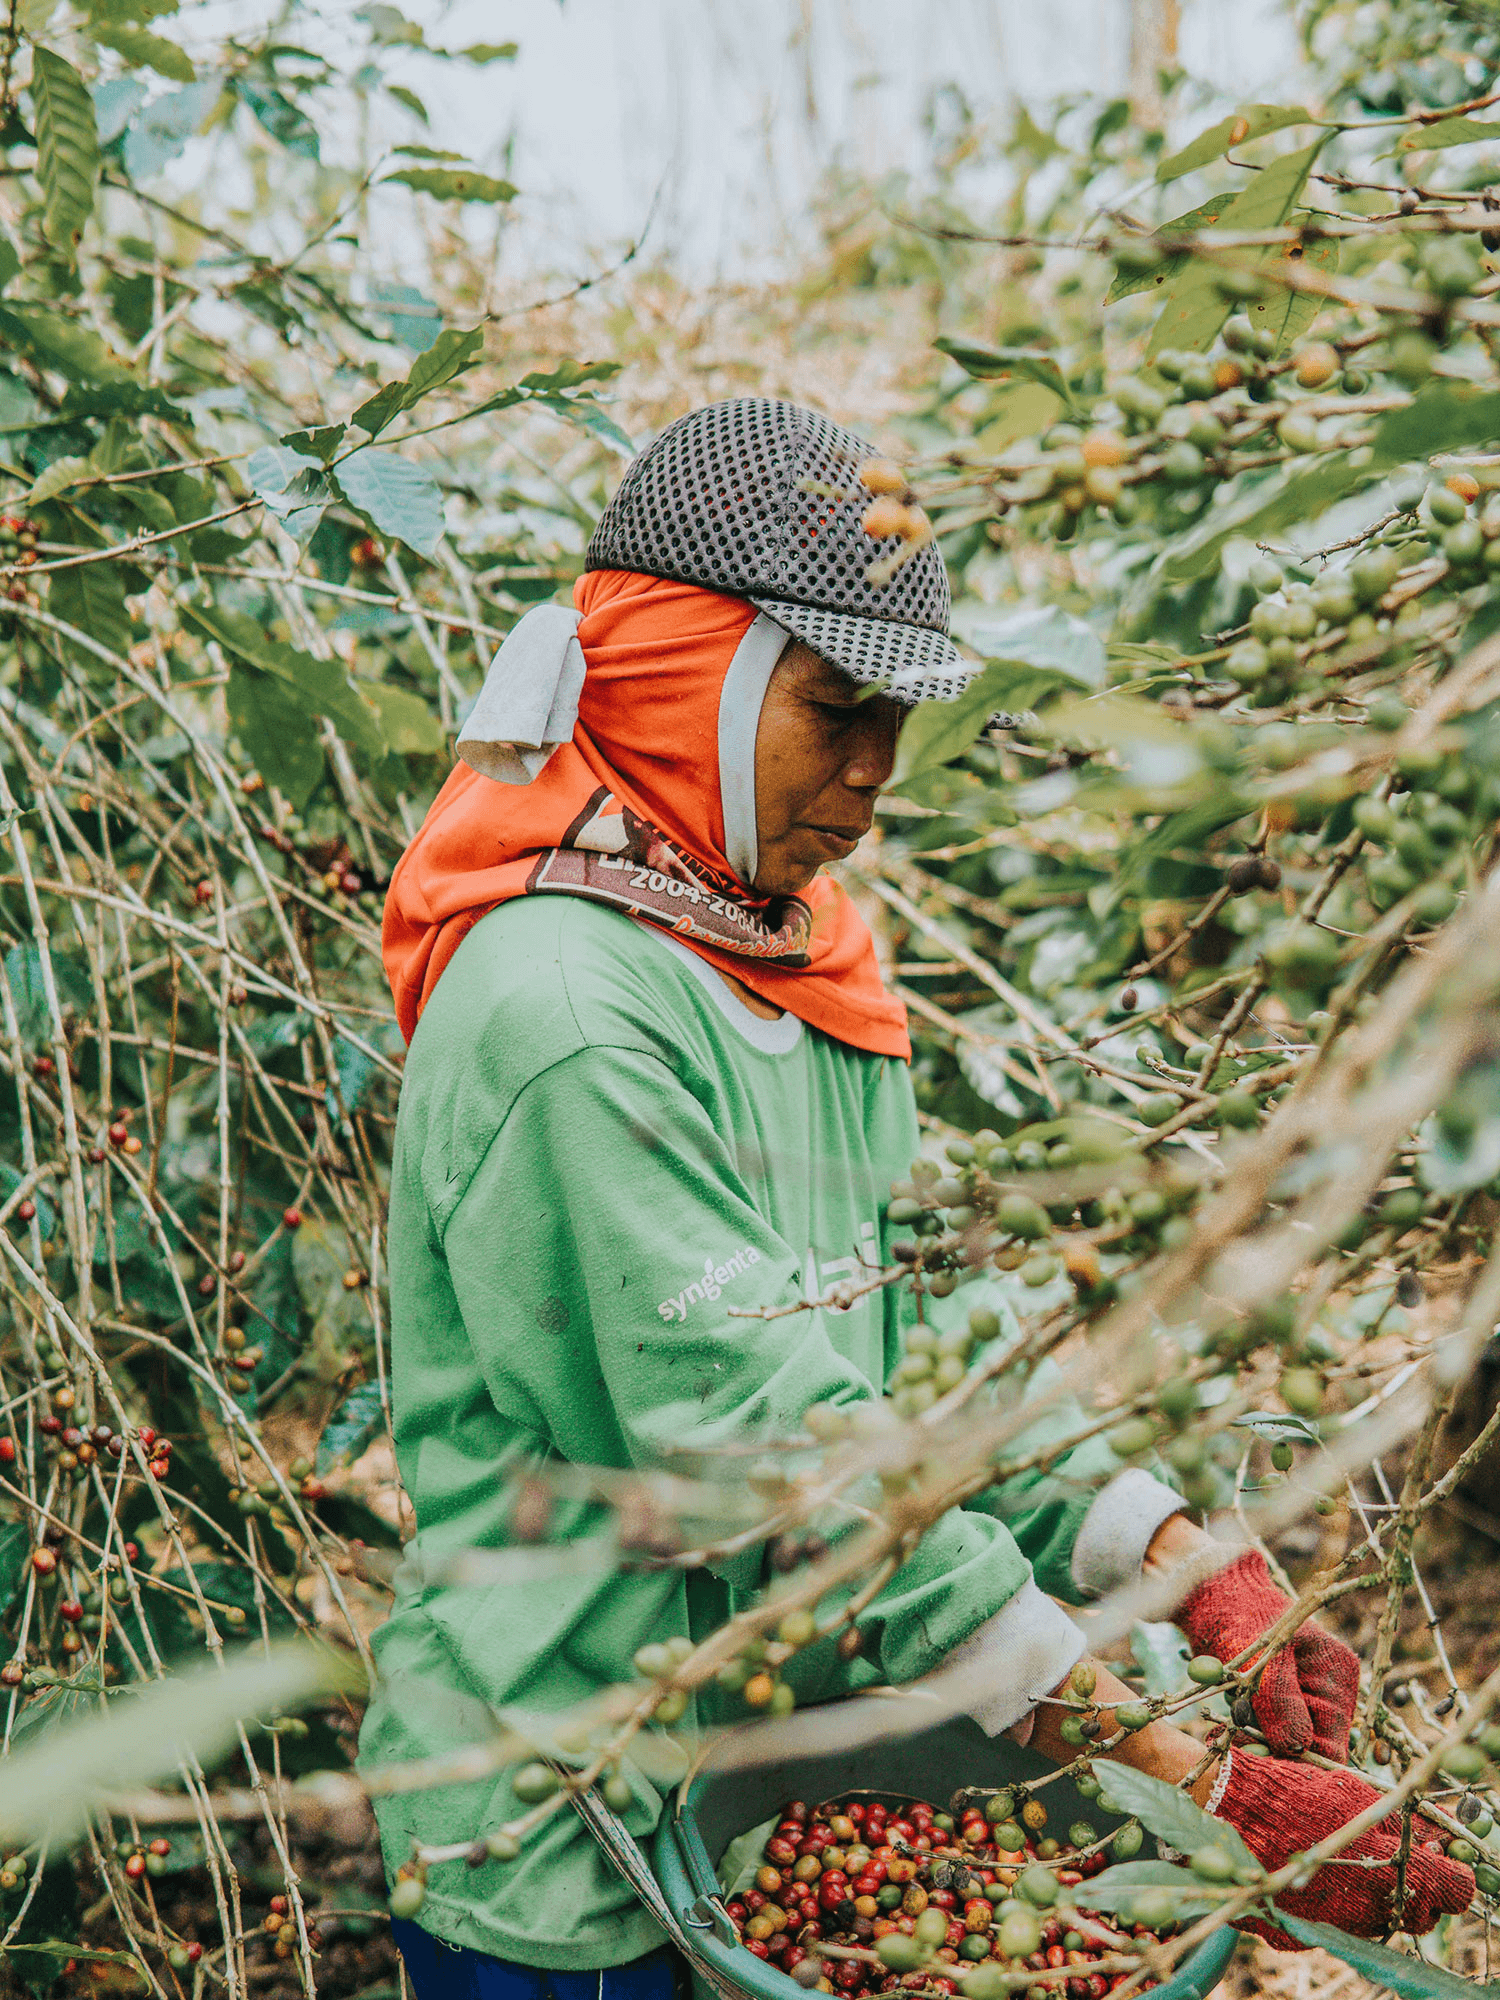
[(1302, 1391), (1127, 1842), (899, 1953), (1133, 1437), (533, 1783), (1018, 1215), (407, 1897), (1019, 1932), (1445, 506), (931, 1929), (1464, 1761), (1205, 1670), (1212, 1864), (1038, 1885)]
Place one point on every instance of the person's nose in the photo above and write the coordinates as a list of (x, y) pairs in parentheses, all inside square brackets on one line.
[(873, 755)]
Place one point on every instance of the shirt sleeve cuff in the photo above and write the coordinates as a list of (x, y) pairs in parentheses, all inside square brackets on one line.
[(1001, 1671), (1117, 1530)]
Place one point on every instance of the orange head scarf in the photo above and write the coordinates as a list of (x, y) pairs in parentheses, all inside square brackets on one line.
[(647, 736)]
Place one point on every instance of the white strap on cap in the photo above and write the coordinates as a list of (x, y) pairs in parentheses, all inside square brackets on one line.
[(529, 702), (740, 700)]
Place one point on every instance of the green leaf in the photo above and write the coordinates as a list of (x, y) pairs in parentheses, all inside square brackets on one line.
[(568, 375), (1118, 1888), (1290, 316), (1168, 1813), (1004, 363), (1044, 636), (143, 50), (408, 99), (67, 147), (28, 991), (407, 723), (1277, 1424), (320, 444), (351, 1427), (1251, 121), (452, 183), (54, 341), (389, 27), (230, 1583), (1202, 217), (1461, 1146), (412, 320), (275, 695), (395, 496), (1412, 1978), (292, 486), (1162, 1652), (50, 1787), (488, 52), (449, 355), (278, 731), (15, 1549), (116, 101), (166, 124), (92, 598), (744, 1857), (1195, 308), (58, 477), (277, 114), (1450, 132), (587, 415), (127, 13), (939, 731), (1030, 655), (1254, 515), (1441, 417)]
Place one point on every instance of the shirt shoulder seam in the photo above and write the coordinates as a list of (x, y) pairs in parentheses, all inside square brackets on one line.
[(573, 1055)]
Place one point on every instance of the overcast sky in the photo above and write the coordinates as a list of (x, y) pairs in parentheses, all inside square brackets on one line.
[(735, 112)]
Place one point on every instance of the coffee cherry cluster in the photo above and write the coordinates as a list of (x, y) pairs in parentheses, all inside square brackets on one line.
[(281, 1927), (929, 1900), (18, 540), (895, 514), (75, 1447)]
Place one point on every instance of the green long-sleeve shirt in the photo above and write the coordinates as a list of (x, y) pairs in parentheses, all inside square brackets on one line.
[(599, 1152)]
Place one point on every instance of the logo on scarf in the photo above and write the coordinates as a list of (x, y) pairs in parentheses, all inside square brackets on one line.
[(611, 855)]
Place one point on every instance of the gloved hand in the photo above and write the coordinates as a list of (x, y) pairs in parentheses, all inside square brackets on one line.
[(1307, 1694), (1283, 1809)]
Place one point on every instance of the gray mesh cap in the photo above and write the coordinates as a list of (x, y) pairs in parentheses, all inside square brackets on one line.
[(762, 500)]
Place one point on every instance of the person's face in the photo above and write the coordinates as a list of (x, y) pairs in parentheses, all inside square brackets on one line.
[(824, 748)]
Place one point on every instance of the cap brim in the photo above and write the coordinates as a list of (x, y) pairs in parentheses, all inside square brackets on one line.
[(910, 662)]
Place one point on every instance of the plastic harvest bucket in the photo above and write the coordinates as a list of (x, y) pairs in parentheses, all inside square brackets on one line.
[(719, 1804)]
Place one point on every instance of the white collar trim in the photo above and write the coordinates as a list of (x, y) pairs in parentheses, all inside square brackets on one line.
[(772, 1038)]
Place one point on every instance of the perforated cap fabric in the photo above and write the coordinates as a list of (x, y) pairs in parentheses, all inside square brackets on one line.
[(761, 499)]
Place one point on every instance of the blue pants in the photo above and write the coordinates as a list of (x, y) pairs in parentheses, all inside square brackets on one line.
[(439, 1972)]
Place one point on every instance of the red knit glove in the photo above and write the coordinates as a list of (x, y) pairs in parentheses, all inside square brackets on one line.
[(1283, 1809), (1306, 1696)]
